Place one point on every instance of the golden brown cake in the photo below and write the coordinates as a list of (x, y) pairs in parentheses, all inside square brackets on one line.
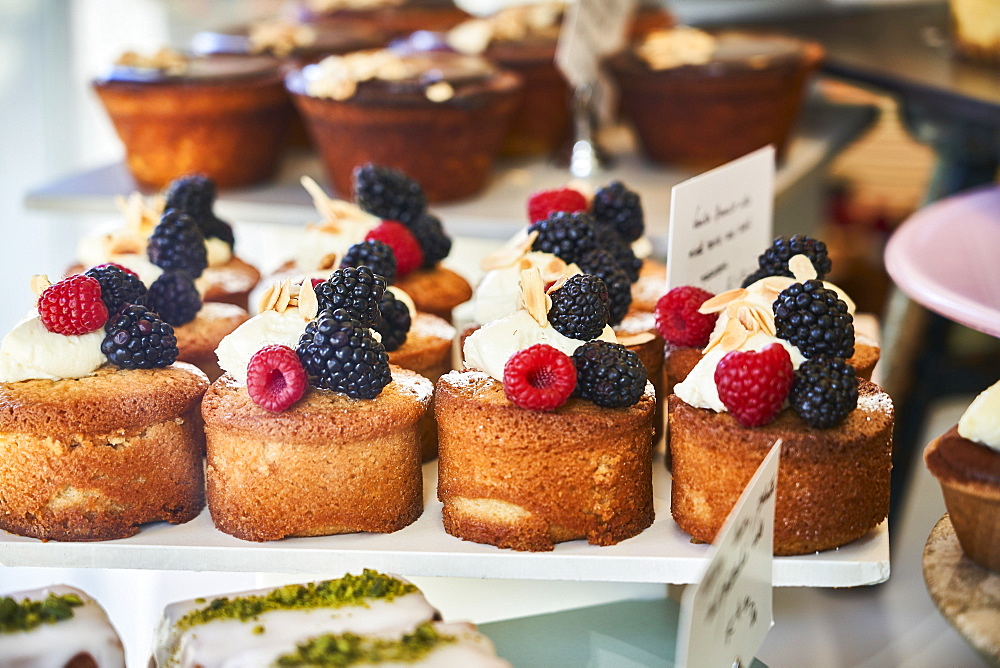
[(374, 483), (833, 484), (437, 290), (94, 458), (442, 130), (526, 480), (222, 116), (198, 339), (229, 282), (966, 461), (396, 18), (652, 285), (637, 332), (702, 100)]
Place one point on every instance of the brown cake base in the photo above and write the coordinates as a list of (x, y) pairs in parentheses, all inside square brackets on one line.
[(651, 355), (436, 290), (833, 484), (231, 282), (96, 457), (527, 480), (198, 339), (328, 465)]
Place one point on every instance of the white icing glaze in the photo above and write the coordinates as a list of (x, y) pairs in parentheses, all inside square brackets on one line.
[(230, 643), (53, 645), (30, 351)]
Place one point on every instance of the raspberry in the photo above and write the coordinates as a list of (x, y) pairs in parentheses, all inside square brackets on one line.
[(580, 307), (565, 235), (753, 385), (275, 378), (609, 374), (678, 320), (544, 202), (618, 207), (824, 391), (815, 320), (118, 286), (388, 193), (409, 255), (73, 306), (539, 378)]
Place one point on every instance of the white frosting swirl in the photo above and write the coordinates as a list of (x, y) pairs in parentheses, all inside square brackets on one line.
[(322, 242), (498, 294), (264, 329), (30, 351), (981, 420), (490, 346)]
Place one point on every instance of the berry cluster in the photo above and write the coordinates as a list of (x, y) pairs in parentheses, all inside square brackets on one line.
[(418, 239), (542, 378)]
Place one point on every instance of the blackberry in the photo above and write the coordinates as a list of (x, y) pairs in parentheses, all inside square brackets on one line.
[(195, 195), (375, 254), (174, 297), (388, 193), (815, 320), (355, 289), (609, 374), (580, 307), (566, 235), (429, 233), (608, 239), (139, 339), (754, 277), (340, 354), (602, 264), (774, 261), (824, 390), (177, 244), (118, 286), (617, 207), (394, 323)]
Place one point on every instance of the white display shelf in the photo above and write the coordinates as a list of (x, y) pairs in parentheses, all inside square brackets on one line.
[(661, 553)]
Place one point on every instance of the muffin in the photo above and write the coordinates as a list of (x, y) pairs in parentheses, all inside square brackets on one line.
[(439, 117), (57, 626), (306, 377), (396, 18), (102, 432), (966, 461), (545, 467), (364, 620), (701, 100), (774, 372), (222, 116)]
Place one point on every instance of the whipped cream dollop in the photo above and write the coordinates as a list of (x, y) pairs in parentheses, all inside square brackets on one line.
[(490, 346), (498, 294), (981, 420), (266, 328), (341, 226), (30, 351)]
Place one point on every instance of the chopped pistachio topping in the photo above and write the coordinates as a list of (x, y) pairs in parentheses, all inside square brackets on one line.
[(349, 649), (28, 614), (348, 590), (258, 630)]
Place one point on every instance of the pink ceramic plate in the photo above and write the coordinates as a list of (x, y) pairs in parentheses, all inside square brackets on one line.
[(946, 256)]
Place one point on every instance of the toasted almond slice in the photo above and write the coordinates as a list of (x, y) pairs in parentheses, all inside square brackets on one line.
[(533, 296), (269, 298), (746, 317), (39, 282), (555, 269), (328, 261), (559, 282), (320, 199), (523, 264), (284, 296), (735, 337), (308, 305), (510, 253), (802, 267), (635, 339), (719, 302)]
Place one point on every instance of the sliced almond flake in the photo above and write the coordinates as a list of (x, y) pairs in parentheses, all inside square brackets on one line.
[(269, 298), (524, 263), (719, 302), (533, 296), (559, 282), (308, 305), (509, 254), (635, 339), (284, 296), (802, 268), (328, 261), (39, 282), (125, 245), (321, 200), (746, 317), (734, 336)]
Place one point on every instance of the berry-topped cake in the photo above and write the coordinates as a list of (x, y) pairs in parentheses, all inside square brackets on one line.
[(370, 619), (775, 368), (225, 277), (547, 434), (101, 431), (311, 431), (57, 626)]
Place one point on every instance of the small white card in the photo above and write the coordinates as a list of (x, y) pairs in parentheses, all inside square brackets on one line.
[(591, 30), (725, 617), (720, 221)]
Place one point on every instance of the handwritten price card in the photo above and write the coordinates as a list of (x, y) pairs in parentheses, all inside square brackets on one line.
[(720, 221), (724, 618)]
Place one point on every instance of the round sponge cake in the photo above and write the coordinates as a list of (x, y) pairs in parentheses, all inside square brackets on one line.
[(527, 479), (833, 484), (95, 457), (327, 465)]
